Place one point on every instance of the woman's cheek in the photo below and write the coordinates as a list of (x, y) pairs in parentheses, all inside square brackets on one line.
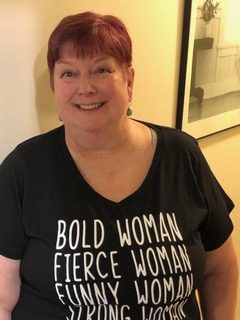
[(65, 92)]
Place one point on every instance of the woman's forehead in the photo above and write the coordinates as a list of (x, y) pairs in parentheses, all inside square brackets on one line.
[(79, 51)]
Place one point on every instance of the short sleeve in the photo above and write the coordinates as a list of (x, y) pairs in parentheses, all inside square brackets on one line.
[(217, 226), (12, 236)]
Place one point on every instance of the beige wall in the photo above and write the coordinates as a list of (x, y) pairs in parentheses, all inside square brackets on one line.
[(26, 106)]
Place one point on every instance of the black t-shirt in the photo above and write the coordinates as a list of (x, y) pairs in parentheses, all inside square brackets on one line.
[(86, 257)]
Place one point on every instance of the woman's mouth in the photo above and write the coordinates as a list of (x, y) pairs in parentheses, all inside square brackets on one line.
[(89, 106)]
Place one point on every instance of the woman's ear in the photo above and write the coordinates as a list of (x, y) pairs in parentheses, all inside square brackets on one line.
[(51, 80), (51, 83), (130, 81)]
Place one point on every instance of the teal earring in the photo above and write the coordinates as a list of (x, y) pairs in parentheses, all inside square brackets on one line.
[(129, 111)]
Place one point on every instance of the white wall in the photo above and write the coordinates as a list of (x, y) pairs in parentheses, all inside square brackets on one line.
[(26, 106)]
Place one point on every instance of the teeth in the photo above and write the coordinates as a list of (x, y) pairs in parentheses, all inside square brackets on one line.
[(88, 106)]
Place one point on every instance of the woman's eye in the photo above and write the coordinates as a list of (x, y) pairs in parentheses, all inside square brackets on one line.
[(68, 74), (103, 70)]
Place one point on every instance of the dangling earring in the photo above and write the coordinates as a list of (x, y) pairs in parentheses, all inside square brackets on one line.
[(129, 111)]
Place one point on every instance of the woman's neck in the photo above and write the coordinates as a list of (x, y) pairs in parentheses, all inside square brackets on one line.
[(101, 141)]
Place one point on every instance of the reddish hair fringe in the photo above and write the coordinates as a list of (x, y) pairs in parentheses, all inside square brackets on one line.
[(89, 34)]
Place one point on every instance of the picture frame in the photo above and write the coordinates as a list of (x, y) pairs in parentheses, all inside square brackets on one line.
[(209, 79)]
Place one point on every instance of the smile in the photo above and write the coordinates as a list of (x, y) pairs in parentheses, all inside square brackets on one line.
[(88, 106)]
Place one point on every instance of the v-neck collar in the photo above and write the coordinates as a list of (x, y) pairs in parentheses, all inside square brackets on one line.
[(131, 198)]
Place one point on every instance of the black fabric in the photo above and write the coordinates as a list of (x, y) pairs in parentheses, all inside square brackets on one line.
[(86, 257)]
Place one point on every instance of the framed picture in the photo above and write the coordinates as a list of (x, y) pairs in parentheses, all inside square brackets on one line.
[(209, 81)]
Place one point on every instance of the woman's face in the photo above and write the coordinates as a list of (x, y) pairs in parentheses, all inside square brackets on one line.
[(92, 92)]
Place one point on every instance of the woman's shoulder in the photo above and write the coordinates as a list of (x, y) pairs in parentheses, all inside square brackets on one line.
[(41, 139), (173, 138), (35, 147)]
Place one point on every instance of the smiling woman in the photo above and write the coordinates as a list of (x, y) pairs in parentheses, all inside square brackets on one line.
[(91, 70), (103, 191), (98, 84)]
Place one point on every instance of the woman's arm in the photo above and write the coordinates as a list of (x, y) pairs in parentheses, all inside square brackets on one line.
[(218, 294), (9, 286)]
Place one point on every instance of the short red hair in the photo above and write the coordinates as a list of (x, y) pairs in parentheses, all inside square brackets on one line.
[(90, 33)]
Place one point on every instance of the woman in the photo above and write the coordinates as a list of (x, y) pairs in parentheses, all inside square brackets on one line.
[(107, 217)]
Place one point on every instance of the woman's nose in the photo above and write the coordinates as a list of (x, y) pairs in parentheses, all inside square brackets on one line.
[(86, 86)]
